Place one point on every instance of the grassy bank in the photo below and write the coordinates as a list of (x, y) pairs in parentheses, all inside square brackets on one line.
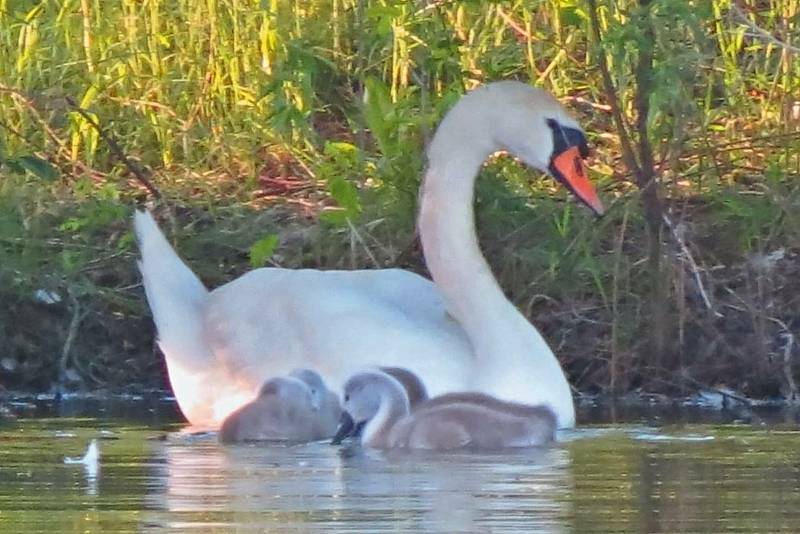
[(291, 133)]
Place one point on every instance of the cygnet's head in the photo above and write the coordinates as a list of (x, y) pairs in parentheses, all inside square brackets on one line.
[(287, 389), (527, 122), (363, 395), (316, 385)]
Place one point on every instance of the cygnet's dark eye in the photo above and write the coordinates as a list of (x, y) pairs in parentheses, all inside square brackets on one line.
[(347, 398)]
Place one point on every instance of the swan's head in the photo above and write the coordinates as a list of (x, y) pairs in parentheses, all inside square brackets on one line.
[(527, 122)]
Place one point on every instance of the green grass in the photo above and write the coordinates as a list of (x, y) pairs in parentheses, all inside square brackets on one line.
[(291, 133)]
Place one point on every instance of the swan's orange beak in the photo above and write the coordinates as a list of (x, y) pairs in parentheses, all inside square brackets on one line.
[(569, 169)]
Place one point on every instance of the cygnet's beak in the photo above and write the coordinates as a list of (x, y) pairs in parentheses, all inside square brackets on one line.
[(569, 169), (345, 430)]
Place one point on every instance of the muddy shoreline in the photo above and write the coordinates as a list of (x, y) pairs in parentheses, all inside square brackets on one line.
[(160, 407)]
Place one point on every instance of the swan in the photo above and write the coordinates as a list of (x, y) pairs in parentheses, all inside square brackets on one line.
[(459, 331), (379, 403), (297, 408)]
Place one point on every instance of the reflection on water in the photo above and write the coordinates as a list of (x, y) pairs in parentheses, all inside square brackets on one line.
[(679, 478), (319, 487)]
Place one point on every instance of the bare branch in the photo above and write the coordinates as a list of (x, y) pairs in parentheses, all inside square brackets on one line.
[(692, 264), (521, 32), (758, 32), (357, 236), (132, 166), (628, 155), (72, 331)]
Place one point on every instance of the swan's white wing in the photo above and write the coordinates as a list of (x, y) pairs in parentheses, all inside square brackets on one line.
[(270, 321)]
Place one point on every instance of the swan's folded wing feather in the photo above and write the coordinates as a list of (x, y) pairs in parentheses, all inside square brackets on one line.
[(335, 322)]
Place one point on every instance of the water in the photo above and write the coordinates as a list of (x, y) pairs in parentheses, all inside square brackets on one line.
[(699, 473)]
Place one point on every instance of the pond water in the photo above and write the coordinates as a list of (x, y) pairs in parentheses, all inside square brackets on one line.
[(641, 471)]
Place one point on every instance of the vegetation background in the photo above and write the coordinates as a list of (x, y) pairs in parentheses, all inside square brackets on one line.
[(291, 132)]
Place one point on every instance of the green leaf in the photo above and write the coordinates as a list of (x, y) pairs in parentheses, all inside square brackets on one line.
[(336, 217), (72, 225), (262, 250), (340, 149), (345, 193), (37, 166), (570, 16), (89, 97), (14, 165), (127, 241), (378, 107)]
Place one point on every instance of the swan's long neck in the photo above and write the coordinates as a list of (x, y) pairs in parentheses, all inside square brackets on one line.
[(454, 259), (512, 359)]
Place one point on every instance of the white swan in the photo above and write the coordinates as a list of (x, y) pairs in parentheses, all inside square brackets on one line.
[(458, 332)]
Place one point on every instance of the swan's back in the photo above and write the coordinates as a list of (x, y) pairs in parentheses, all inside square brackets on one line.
[(336, 322), (457, 425), (490, 402)]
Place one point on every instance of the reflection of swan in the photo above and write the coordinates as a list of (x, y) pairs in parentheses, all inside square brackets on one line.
[(91, 459), (458, 333), (206, 484), (91, 465), (318, 488)]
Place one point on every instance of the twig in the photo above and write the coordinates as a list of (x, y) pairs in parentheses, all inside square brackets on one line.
[(30, 104), (786, 368), (131, 165), (519, 30), (756, 31), (587, 102), (793, 394), (431, 6), (692, 264), (72, 331), (614, 363), (357, 236), (644, 79), (628, 155), (726, 393)]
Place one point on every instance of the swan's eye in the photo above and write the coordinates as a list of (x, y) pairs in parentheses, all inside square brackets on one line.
[(347, 398), (565, 137)]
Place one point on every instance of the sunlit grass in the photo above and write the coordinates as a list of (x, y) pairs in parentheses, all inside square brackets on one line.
[(284, 112)]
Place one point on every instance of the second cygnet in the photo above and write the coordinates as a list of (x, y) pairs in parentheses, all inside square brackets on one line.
[(380, 403)]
